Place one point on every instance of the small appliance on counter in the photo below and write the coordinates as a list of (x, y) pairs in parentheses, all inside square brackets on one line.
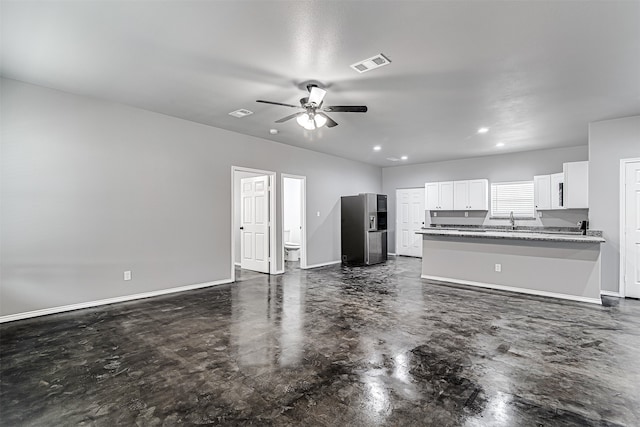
[(364, 228), (584, 226)]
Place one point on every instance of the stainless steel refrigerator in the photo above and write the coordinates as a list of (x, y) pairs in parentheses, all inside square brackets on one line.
[(364, 228)]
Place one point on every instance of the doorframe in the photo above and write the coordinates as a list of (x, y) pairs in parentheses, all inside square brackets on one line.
[(623, 223), (272, 216), (303, 219)]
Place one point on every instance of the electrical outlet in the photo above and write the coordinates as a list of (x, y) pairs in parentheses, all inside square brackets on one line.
[(539, 214), (318, 213), (466, 214), (127, 275), (435, 214), (498, 268)]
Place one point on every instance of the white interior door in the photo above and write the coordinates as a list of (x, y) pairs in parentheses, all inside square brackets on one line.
[(632, 230), (410, 218), (254, 223)]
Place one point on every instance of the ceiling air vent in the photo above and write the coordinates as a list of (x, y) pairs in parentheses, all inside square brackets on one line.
[(393, 159), (240, 113), (370, 63)]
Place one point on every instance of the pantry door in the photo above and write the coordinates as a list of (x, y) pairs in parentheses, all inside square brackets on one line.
[(409, 219)]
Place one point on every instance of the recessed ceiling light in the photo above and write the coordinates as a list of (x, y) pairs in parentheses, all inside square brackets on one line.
[(483, 130), (500, 144), (243, 112), (403, 158), (377, 148)]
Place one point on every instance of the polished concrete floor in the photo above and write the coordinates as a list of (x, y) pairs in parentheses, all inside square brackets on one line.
[(333, 346)]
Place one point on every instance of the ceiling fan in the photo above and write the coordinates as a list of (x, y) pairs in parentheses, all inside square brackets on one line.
[(313, 115)]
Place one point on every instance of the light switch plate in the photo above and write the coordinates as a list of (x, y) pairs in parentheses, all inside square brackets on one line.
[(127, 275)]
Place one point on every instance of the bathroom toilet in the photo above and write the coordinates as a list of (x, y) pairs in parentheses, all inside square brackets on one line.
[(291, 250)]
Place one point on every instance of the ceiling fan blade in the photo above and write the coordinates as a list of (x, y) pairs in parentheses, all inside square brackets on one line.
[(346, 109), (330, 122), (316, 95), (284, 119), (278, 103)]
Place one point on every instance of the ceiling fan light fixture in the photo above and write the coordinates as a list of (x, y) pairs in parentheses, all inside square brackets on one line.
[(319, 120), (311, 121)]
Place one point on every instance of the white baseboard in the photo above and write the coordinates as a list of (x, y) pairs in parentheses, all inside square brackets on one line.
[(514, 289), (610, 293), (324, 264), (279, 272), (88, 304), (391, 253), (237, 264)]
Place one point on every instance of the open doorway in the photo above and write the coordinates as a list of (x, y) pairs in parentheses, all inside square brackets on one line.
[(294, 248), (253, 239)]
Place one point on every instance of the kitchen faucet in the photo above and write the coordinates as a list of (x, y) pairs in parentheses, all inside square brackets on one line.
[(513, 221)]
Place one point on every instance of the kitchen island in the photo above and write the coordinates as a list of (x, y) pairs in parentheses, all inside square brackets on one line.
[(556, 265)]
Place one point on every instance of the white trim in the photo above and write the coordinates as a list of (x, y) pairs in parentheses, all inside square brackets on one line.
[(323, 264), (272, 216), (303, 213), (237, 264), (513, 289), (89, 304), (279, 272), (623, 224), (610, 293), (391, 253)]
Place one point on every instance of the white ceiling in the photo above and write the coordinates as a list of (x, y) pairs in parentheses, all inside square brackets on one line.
[(535, 73)]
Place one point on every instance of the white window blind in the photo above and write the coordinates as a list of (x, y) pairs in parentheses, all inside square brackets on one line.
[(516, 197)]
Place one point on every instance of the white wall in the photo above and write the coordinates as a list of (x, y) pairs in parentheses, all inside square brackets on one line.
[(506, 167), (292, 215), (91, 189), (609, 142)]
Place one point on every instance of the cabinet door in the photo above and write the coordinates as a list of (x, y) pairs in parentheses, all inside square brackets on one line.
[(542, 191), (460, 195), (557, 180), (446, 195), (576, 185), (432, 196), (479, 194)]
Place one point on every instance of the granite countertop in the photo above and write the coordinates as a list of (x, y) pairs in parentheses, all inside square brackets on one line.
[(509, 234)]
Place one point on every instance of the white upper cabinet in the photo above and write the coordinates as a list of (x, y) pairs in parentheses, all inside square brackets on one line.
[(576, 185), (446, 195), (542, 191), (471, 195), (479, 194), (557, 190), (457, 195), (438, 196), (564, 190)]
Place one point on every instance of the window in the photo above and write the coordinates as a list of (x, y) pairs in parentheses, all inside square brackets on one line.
[(516, 197)]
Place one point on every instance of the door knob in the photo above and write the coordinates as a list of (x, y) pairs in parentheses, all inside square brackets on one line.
[(241, 228)]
